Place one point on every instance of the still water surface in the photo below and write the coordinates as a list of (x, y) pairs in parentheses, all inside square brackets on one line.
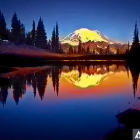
[(65, 102)]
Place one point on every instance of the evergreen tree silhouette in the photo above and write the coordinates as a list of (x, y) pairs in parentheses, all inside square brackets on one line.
[(41, 38), (15, 28), (57, 46), (33, 33), (135, 49), (53, 40), (136, 34), (3, 29)]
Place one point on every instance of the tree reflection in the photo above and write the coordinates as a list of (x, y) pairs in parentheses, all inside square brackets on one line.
[(19, 87), (39, 80), (3, 94), (4, 86), (34, 83), (56, 72), (135, 71)]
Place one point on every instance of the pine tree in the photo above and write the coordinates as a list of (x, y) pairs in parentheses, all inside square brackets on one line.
[(41, 39), (57, 47), (53, 40), (135, 43), (2, 27), (15, 28), (136, 34), (33, 32)]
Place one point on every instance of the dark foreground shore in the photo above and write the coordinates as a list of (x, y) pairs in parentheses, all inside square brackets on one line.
[(21, 60)]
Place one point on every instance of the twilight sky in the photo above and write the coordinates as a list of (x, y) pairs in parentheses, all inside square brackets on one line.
[(113, 18)]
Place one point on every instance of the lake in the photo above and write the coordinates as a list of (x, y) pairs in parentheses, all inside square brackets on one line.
[(56, 102)]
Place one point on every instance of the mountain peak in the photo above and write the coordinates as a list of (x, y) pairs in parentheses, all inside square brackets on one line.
[(82, 29), (85, 35)]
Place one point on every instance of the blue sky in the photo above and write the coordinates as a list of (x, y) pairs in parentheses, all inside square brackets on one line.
[(113, 18)]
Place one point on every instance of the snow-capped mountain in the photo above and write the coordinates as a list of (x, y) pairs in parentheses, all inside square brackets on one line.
[(85, 35)]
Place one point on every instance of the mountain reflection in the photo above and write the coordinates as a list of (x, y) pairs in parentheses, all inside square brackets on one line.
[(82, 76)]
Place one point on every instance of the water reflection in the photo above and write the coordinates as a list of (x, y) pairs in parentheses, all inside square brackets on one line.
[(66, 102), (135, 72), (82, 76)]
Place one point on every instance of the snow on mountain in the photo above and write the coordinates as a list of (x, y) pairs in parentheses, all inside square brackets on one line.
[(85, 35)]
